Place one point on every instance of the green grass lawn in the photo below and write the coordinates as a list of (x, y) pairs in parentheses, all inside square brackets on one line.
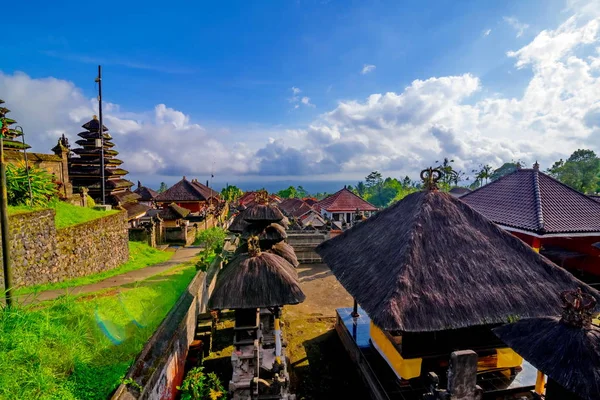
[(140, 256), (66, 214), (80, 348)]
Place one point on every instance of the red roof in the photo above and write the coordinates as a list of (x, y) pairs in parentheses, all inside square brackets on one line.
[(294, 207), (530, 200), (345, 200), (185, 190), (249, 197)]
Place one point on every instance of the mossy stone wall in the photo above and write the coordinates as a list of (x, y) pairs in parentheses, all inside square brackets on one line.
[(40, 253)]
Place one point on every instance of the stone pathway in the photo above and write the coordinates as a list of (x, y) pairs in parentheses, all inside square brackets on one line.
[(182, 255)]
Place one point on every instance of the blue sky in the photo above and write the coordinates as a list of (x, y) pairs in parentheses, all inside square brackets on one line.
[(230, 68)]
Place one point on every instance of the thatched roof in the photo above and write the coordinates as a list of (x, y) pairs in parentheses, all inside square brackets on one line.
[(272, 232), (566, 352), (239, 223), (255, 282), (263, 212), (286, 251), (185, 190), (430, 262)]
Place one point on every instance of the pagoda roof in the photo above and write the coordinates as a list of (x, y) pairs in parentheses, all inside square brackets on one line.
[(90, 143), (345, 200), (95, 171), (93, 125), (432, 263), (185, 190), (531, 201), (94, 152), (14, 144), (146, 194), (93, 135), (93, 161)]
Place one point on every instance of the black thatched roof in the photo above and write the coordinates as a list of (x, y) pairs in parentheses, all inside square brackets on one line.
[(262, 212), (566, 352), (146, 194), (286, 251), (430, 262), (272, 232), (255, 282), (239, 223)]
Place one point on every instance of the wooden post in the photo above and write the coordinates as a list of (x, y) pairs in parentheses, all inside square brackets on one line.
[(7, 268), (539, 383), (536, 244), (355, 313)]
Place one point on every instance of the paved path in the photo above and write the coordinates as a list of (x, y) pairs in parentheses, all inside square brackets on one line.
[(182, 254)]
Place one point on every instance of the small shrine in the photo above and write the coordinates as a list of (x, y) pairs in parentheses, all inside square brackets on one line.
[(257, 283)]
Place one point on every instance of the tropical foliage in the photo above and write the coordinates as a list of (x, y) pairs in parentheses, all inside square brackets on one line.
[(163, 187), (293, 193), (43, 187), (212, 239), (231, 193), (383, 192), (581, 171), (200, 386)]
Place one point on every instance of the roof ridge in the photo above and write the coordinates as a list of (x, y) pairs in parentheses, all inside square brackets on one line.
[(538, 201)]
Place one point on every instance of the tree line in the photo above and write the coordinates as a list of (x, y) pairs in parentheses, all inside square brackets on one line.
[(581, 171)]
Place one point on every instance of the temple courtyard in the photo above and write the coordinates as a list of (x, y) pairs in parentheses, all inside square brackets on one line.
[(319, 366)]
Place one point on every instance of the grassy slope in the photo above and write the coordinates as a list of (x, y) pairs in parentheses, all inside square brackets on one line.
[(80, 348), (66, 214), (140, 256)]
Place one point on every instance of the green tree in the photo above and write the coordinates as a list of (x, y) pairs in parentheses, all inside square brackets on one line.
[(504, 169), (483, 174), (301, 192), (581, 171), (289, 193), (212, 239), (407, 182), (231, 193), (163, 187), (449, 174), (361, 189)]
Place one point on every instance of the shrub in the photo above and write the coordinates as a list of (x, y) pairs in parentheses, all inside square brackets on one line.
[(43, 187), (213, 240), (90, 202), (200, 386)]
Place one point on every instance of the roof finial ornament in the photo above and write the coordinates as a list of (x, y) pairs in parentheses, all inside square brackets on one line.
[(262, 197), (253, 246), (578, 308), (430, 176), (95, 118), (536, 166)]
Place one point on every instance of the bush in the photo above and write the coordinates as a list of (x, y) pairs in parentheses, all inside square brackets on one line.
[(43, 187), (213, 240), (90, 202), (200, 386)]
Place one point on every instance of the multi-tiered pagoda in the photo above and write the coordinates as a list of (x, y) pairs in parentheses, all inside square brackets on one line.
[(10, 141), (86, 172)]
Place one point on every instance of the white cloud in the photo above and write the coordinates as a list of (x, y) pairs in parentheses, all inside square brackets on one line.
[(367, 68), (520, 27), (306, 101), (297, 101), (487, 32)]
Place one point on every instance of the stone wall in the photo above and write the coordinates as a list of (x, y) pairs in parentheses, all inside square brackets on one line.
[(159, 368), (42, 254)]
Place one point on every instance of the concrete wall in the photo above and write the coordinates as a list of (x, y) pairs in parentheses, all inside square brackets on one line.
[(42, 254), (159, 368)]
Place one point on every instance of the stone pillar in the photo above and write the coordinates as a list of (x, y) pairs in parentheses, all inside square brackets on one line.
[(62, 150), (84, 195), (462, 379)]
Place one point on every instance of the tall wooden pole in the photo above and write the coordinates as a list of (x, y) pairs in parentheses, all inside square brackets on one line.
[(6, 267), (101, 131)]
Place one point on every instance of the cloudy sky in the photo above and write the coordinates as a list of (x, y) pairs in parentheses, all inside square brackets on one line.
[(308, 90)]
